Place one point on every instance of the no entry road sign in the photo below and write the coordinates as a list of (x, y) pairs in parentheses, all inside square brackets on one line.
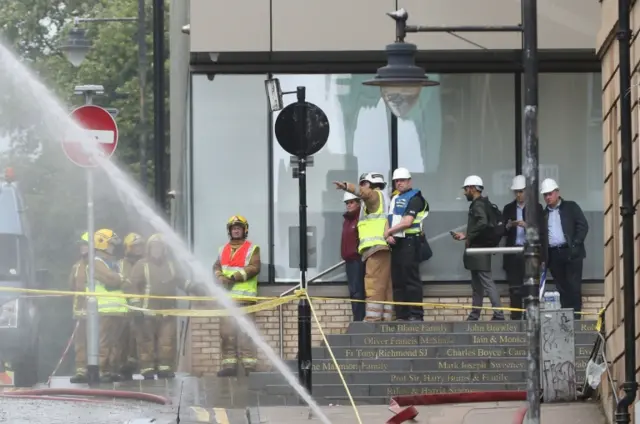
[(100, 127)]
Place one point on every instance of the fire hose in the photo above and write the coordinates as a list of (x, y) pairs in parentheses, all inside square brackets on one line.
[(58, 394), (409, 413)]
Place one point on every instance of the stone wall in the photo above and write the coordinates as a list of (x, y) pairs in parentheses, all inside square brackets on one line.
[(614, 300), (334, 315)]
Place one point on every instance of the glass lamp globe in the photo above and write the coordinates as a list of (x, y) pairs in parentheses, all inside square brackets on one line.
[(400, 99)]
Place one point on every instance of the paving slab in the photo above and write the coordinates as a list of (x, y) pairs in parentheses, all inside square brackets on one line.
[(469, 413)]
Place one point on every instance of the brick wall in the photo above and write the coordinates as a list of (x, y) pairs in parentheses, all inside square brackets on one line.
[(614, 284), (334, 315)]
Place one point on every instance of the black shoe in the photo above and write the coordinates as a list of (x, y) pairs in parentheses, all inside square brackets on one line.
[(470, 318), (106, 379), (497, 318), (79, 379), (228, 372), (419, 319), (149, 375), (126, 376), (166, 374)]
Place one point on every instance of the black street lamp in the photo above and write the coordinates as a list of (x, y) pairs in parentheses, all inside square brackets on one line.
[(76, 46), (400, 83)]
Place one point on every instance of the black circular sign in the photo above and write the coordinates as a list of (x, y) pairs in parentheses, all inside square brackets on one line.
[(298, 136)]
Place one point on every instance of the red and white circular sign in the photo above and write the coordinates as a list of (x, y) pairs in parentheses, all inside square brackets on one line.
[(100, 126)]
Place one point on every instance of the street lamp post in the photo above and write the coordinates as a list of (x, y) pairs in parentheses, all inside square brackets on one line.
[(400, 83), (77, 46)]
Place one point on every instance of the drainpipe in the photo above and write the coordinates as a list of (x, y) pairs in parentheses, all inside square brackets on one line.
[(627, 211)]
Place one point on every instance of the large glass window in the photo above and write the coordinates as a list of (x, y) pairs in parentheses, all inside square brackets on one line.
[(230, 161), (570, 129), (464, 126), (358, 142)]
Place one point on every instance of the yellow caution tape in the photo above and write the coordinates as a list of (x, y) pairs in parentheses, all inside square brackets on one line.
[(600, 319), (268, 302)]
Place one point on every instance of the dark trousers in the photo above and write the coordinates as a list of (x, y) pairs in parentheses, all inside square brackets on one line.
[(405, 277), (514, 268), (567, 276), (355, 281)]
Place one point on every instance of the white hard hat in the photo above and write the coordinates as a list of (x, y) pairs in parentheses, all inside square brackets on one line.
[(349, 196), (472, 180), (548, 185), (518, 183), (401, 174), (373, 178)]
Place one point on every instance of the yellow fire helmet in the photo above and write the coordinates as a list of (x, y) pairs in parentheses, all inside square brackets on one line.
[(104, 238), (131, 240), (238, 220), (156, 238)]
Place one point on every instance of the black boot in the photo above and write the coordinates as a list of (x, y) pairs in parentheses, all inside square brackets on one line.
[(149, 374), (166, 374), (228, 372), (79, 378)]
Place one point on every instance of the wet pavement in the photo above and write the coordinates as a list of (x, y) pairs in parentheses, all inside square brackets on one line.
[(226, 401)]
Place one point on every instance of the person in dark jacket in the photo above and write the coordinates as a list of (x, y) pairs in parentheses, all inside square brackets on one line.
[(353, 261), (479, 265), (568, 229), (514, 215)]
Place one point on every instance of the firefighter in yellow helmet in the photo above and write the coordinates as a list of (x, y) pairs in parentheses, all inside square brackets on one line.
[(78, 283), (157, 275), (112, 310), (237, 267), (133, 252)]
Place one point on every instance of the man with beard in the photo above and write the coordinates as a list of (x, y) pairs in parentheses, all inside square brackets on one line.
[(133, 252), (78, 283), (157, 275)]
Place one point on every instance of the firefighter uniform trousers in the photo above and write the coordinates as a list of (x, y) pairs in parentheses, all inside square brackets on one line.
[(113, 330), (236, 345), (377, 270), (377, 286), (161, 333), (80, 346)]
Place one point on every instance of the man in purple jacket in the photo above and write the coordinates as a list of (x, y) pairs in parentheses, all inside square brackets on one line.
[(349, 250)]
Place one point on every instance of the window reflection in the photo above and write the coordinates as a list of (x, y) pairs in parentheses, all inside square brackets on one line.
[(358, 142)]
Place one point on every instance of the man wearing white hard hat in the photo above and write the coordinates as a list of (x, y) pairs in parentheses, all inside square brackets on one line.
[(407, 210), (568, 229), (372, 245), (478, 224), (514, 214), (349, 252)]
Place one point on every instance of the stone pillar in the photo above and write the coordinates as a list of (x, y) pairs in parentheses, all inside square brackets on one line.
[(558, 355)]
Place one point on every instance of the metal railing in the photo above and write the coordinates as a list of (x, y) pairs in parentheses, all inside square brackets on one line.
[(291, 290)]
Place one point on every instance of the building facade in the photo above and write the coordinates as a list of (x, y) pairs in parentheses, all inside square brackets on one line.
[(607, 47), (225, 158)]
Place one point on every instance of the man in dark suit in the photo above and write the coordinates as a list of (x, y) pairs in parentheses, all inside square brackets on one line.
[(514, 215), (568, 229)]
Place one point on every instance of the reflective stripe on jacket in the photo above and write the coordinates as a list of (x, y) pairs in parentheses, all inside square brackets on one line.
[(232, 262), (371, 226), (399, 205), (108, 305)]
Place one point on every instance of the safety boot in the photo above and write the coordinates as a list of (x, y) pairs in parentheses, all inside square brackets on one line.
[(165, 373), (79, 378), (228, 372), (148, 374), (106, 378)]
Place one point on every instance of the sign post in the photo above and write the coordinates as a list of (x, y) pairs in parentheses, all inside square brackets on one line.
[(302, 130), (102, 129)]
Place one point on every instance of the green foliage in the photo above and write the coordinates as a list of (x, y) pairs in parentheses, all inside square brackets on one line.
[(55, 190)]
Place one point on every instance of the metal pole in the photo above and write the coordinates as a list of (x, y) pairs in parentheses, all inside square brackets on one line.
[(493, 250), (158, 103), (304, 310), (142, 76), (93, 318), (627, 211), (532, 244)]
